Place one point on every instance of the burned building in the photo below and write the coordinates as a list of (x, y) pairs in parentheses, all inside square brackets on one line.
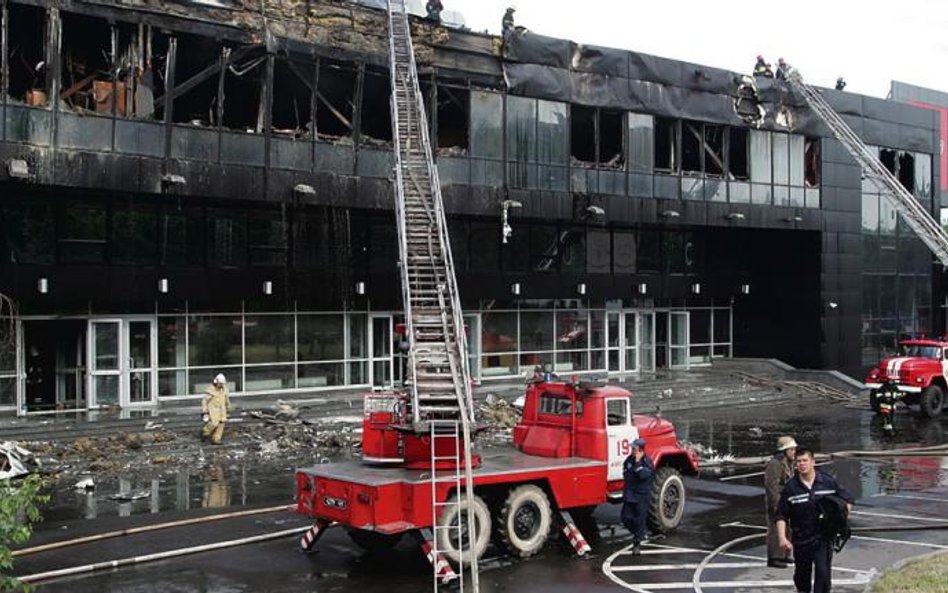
[(195, 187)]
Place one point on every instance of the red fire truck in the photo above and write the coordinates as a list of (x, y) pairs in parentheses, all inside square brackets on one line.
[(567, 458), (917, 376)]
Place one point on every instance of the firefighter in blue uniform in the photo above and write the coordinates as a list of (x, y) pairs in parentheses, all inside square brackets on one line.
[(638, 472), (799, 505)]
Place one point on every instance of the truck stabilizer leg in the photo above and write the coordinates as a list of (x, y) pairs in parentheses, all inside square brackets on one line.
[(314, 533), (574, 535), (442, 567)]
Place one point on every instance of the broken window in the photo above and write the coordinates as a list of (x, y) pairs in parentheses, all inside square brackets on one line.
[(906, 175), (293, 98), (737, 154), (26, 40), (376, 115), (666, 145), (923, 175), (335, 95), (197, 74), (811, 162), (596, 136), (86, 64), (691, 136), (583, 134), (714, 150), (243, 98), (453, 116)]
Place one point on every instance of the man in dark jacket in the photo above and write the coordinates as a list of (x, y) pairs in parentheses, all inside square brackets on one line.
[(799, 504), (777, 473), (638, 471)]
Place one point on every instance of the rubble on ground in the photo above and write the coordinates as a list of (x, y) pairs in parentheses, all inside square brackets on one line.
[(16, 461)]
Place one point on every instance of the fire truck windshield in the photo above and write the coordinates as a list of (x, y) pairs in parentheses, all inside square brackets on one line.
[(920, 351)]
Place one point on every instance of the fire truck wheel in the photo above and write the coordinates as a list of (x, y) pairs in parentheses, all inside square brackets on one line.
[(874, 401), (524, 521), (932, 401), (668, 500), (372, 541), (448, 543)]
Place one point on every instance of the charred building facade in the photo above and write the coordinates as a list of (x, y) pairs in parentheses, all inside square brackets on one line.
[(195, 187)]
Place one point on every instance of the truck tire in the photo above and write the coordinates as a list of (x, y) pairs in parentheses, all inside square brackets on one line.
[(932, 401), (447, 539), (373, 541), (524, 521), (668, 500), (874, 401)]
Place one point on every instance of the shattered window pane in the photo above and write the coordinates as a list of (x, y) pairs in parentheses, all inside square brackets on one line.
[(641, 137), (28, 74), (453, 116), (923, 177), (666, 145), (486, 121), (737, 153), (761, 159), (552, 143)]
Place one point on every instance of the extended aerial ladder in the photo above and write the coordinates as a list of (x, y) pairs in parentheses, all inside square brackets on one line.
[(911, 211), (438, 373)]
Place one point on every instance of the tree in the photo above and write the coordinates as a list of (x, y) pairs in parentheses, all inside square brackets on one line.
[(19, 509)]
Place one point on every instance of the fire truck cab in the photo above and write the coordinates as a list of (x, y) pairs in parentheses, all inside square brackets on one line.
[(916, 376)]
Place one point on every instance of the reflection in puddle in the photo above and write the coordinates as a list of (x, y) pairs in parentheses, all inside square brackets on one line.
[(212, 487)]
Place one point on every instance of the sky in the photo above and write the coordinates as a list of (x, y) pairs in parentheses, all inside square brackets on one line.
[(861, 41)]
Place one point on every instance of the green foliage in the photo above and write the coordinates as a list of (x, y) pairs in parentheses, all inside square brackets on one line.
[(19, 509)]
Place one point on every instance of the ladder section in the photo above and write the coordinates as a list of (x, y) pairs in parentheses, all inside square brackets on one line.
[(911, 211), (446, 456), (438, 370)]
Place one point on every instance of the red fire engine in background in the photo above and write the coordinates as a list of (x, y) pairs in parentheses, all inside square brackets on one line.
[(916, 376)]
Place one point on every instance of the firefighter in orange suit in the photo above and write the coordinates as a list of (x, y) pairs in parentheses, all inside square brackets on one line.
[(214, 409)]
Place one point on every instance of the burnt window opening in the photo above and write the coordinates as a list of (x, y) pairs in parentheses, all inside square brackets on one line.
[(26, 40), (376, 117), (611, 126), (714, 150), (197, 71), (86, 64), (691, 141), (666, 145), (293, 98), (596, 136), (150, 80), (888, 159), (811, 162), (243, 91), (583, 134), (737, 154), (453, 120), (134, 89), (334, 106), (906, 168)]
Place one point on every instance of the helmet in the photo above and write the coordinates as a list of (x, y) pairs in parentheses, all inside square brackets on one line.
[(786, 442), (780, 61), (640, 443), (760, 57), (219, 379)]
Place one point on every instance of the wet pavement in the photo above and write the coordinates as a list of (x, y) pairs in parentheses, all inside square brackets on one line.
[(725, 503)]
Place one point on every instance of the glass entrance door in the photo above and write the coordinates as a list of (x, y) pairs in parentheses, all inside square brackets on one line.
[(380, 347), (647, 342), (121, 361), (613, 341), (678, 340), (141, 342), (105, 371), (630, 342)]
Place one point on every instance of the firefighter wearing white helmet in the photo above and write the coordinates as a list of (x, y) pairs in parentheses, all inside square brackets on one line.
[(214, 409), (777, 473)]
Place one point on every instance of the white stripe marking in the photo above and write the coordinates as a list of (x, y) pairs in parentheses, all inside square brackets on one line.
[(911, 497), (739, 584), (862, 537), (893, 516), (645, 567)]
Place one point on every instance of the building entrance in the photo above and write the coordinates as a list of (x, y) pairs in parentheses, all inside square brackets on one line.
[(54, 365)]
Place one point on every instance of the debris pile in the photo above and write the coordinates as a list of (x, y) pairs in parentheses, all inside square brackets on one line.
[(15, 461), (497, 413)]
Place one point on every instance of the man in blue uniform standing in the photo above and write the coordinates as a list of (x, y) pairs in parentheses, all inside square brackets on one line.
[(638, 472), (799, 504)]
